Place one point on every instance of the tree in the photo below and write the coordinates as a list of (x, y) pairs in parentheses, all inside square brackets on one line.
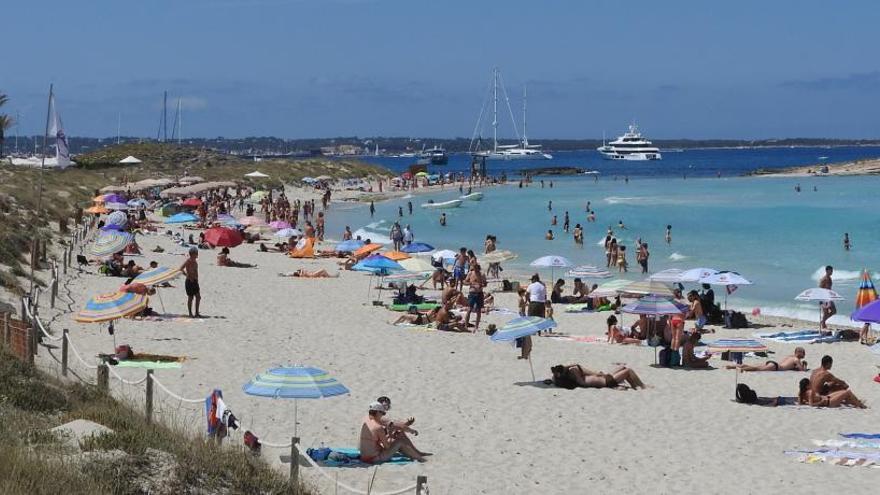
[(5, 123)]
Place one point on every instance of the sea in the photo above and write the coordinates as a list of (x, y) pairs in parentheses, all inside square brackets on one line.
[(776, 237)]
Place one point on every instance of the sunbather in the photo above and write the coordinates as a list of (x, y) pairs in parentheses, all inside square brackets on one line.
[(223, 260), (689, 359), (837, 398), (618, 335), (417, 318), (399, 429), (376, 445), (574, 375), (303, 273), (795, 362)]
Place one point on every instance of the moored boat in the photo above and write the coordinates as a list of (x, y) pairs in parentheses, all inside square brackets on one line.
[(454, 203), (477, 196)]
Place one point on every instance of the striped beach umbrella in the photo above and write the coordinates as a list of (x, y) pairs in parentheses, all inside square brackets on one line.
[(416, 264), (654, 306), (522, 326), (117, 218), (110, 242), (157, 275), (736, 345), (499, 256), (97, 210), (588, 271), (294, 382), (867, 293), (112, 306), (648, 287)]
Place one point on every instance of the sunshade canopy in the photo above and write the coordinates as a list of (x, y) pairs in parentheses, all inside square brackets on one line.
[(294, 382)]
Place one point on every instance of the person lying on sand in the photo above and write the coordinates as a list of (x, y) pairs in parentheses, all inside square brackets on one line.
[(376, 445), (417, 318), (303, 273), (837, 398), (795, 362), (617, 335), (574, 375), (223, 260)]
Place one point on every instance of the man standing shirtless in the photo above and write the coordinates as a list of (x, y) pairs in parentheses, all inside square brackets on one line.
[(828, 307), (190, 269)]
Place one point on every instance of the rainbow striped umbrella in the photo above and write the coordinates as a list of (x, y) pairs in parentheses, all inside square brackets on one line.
[(108, 307), (867, 293), (655, 306), (737, 345), (110, 242), (157, 275), (294, 382)]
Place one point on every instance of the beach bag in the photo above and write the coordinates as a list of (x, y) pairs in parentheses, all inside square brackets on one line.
[(745, 395), (252, 442), (738, 320), (124, 352), (318, 455), (506, 286), (664, 355)]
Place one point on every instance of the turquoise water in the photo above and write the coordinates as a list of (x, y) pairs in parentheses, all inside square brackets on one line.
[(760, 227)]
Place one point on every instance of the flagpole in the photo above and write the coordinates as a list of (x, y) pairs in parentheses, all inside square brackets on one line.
[(40, 189)]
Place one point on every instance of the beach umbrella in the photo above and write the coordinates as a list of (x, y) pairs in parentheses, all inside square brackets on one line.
[(116, 206), (99, 198), (256, 174), (294, 382), (366, 249), (258, 196), (111, 242), (736, 347), (288, 233), (135, 203), (818, 294), (182, 218), (670, 276), (227, 219), (730, 280), (114, 198), (520, 327), (395, 255), (610, 288), (129, 160), (866, 293), (444, 254), (499, 256), (111, 226), (416, 265), (655, 306), (381, 262), (697, 274), (192, 202), (869, 313), (250, 221), (117, 218), (349, 245), (648, 286), (551, 261), (97, 210), (417, 247), (111, 306), (157, 276), (223, 237), (279, 224), (588, 271)]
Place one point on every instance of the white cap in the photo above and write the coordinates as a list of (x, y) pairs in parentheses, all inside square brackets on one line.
[(378, 406)]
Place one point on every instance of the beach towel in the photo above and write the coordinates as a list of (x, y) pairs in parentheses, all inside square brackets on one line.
[(577, 308), (504, 311), (211, 403), (584, 339), (799, 336), (353, 458), (836, 456), (425, 306), (848, 444), (867, 436)]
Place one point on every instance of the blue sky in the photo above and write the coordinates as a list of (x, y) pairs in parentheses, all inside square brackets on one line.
[(317, 68)]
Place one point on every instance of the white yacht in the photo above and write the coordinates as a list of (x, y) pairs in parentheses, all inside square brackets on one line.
[(630, 146), (520, 151)]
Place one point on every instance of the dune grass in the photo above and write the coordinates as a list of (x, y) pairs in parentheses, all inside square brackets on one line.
[(136, 458)]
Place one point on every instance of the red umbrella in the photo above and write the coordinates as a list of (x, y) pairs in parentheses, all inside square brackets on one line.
[(192, 202), (223, 236)]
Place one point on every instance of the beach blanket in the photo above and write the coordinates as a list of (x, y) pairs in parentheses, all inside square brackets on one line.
[(584, 339), (150, 365), (799, 336), (837, 457), (865, 436), (504, 311), (425, 306), (353, 458), (848, 444), (577, 308)]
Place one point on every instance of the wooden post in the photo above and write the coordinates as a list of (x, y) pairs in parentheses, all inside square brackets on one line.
[(104, 377), (53, 292), (6, 331), (149, 396), (66, 260), (29, 345), (421, 482), (294, 462), (35, 337), (64, 345)]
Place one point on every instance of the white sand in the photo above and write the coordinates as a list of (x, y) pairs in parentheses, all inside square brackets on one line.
[(491, 430)]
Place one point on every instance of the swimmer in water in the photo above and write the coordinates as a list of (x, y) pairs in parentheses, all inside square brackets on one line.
[(668, 234), (549, 235), (549, 204), (620, 225), (846, 242), (553, 220)]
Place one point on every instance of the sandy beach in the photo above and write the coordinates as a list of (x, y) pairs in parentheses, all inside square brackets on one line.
[(492, 430), (858, 167)]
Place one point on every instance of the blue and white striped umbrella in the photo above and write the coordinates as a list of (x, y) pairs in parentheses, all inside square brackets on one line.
[(588, 271), (654, 306), (522, 326), (110, 242), (294, 382)]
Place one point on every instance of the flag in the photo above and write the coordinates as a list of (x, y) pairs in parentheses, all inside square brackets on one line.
[(731, 289)]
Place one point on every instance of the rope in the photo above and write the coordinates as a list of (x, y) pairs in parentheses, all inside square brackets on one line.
[(343, 485), (123, 380), (276, 445), (172, 394), (76, 353), (47, 334)]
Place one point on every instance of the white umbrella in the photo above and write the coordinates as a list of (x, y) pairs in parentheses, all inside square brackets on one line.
[(257, 175), (820, 295), (698, 274), (727, 279), (444, 254), (129, 159), (286, 233), (551, 261)]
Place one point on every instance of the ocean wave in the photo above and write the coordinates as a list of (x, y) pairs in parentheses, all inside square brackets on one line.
[(644, 200), (845, 277), (677, 257), (374, 232), (802, 313)]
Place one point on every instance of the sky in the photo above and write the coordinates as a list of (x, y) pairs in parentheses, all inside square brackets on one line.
[(323, 68)]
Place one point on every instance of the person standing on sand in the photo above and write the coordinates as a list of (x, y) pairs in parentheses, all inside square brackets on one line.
[(372, 208), (475, 282), (190, 269), (828, 307), (846, 242)]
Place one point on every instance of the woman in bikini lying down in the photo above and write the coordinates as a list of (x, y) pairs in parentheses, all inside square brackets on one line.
[(302, 273), (574, 375), (416, 318), (806, 396)]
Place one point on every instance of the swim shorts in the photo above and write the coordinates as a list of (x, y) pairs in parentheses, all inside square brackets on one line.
[(475, 300), (701, 322), (458, 272), (192, 288)]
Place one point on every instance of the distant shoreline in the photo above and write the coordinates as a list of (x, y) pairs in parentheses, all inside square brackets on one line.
[(849, 168)]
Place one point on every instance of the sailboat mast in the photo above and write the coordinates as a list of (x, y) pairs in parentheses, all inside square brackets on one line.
[(118, 125), (495, 109), (525, 140), (165, 117)]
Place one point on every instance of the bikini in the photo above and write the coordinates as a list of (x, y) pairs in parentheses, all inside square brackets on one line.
[(775, 365)]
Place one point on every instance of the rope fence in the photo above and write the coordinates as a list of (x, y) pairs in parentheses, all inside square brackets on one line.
[(30, 314)]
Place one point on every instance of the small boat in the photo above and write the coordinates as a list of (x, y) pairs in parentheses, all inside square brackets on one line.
[(477, 196), (454, 203)]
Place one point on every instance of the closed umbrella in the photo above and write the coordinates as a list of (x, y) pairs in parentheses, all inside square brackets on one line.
[(866, 293), (417, 247), (818, 294), (182, 218), (520, 327), (223, 237), (111, 242), (294, 382)]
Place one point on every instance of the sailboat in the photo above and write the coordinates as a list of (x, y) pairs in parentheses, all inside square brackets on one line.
[(54, 128), (521, 151)]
